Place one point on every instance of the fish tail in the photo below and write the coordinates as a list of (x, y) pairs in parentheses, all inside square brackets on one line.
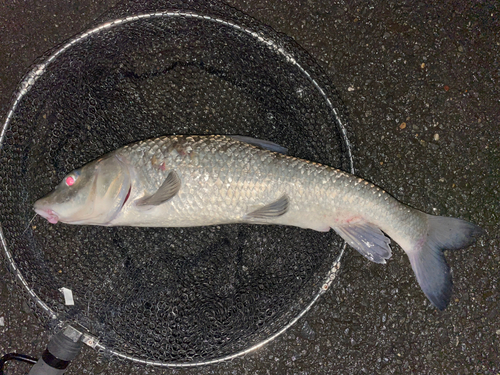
[(427, 258)]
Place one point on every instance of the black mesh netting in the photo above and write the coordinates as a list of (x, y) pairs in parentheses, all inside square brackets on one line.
[(167, 294)]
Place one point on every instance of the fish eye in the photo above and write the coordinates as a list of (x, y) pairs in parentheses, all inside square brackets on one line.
[(71, 179)]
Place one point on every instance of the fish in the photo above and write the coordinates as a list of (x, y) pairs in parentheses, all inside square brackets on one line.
[(196, 180)]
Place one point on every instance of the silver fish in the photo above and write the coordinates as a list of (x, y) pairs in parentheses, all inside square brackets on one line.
[(182, 181)]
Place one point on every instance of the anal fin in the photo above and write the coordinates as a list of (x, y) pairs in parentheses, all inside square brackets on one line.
[(274, 209), (368, 239)]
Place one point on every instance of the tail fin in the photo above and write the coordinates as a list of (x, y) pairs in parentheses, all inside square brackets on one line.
[(428, 262)]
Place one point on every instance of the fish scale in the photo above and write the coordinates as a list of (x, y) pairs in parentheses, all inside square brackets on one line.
[(184, 181)]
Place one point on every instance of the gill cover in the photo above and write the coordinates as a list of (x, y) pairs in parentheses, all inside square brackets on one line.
[(92, 195)]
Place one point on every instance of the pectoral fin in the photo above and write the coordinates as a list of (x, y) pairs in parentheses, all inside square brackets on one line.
[(274, 209), (368, 239), (167, 191)]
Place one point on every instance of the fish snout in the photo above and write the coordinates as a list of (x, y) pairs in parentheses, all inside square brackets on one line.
[(47, 213)]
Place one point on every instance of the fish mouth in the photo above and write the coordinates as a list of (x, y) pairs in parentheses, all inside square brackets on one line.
[(48, 214)]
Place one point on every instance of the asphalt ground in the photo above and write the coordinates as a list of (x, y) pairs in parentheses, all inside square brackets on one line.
[(420, 80)]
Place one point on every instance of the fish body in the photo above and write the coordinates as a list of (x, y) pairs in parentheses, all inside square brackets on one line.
[(182, 181)]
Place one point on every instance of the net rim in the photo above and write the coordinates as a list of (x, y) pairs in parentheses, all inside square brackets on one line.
[(39, 69)]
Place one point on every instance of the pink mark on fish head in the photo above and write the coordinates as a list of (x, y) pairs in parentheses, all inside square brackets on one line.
[(70, 180)]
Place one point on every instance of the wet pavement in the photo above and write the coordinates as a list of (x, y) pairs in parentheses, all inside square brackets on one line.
[(421, 83)]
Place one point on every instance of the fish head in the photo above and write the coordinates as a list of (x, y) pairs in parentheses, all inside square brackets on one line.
[(92, 195)]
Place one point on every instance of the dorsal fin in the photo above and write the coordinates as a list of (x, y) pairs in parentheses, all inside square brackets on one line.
[(266, 145)]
